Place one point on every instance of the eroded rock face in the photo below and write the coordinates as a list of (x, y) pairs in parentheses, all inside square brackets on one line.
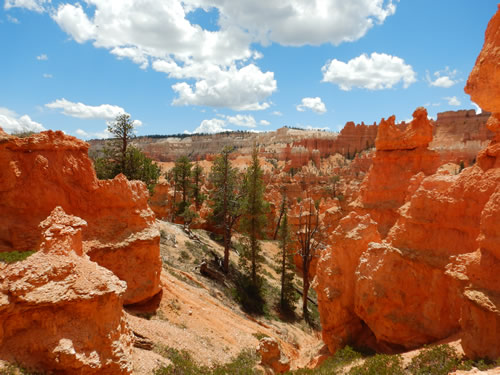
[(52, 169), (417, 134), (271, 355), (335, 279), (400, 155), (59, 311), (403, 298)]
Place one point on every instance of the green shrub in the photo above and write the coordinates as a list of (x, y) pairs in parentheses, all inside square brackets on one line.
[(380, 364), (15, 256), (183, 364), (332, 365), (436, 360)]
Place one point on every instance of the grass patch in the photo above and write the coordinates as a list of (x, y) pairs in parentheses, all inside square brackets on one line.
[(16, 370), (183, 364), (380, 364), (332, 365), (15, 256)]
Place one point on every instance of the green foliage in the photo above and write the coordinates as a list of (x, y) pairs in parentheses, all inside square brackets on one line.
[(436, 360), (250, 295), (118, 157), (13, 369), (254, 219), (380, 364), (23, 133), (197, 182), (139, 167), (183, 364), (332, 365), (14, 256), (225, 198), (182, 181), (188, 215)]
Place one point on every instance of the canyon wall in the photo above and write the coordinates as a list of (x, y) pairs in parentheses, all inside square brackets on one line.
[(52, 169), (433, 271)]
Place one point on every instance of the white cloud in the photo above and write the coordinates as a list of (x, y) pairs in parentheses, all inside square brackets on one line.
[(12, 122), (299, 22), (247, 121), (238, 89), (160, 33), (83, 111), (214, 125), (277, 113), (82, 133), (264, 122), (478, 108), (12, 19), (47, 75), (42, 57), (310, 127), (375, 72), (452, 100), (443, 78), (34, 5), (314, 104)]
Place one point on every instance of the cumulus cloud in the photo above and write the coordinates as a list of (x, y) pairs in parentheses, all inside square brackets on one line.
[(442, 78), (314, 104), (375, 72), (247, 121), (34, 5), (82, 133), (264, 122), (277, 113), (83, 111), (478, 108), (47, 75), (238, 89), (215, 125), (452, 100), (298, 22), (137, 31), (42, 57), (11, 122)]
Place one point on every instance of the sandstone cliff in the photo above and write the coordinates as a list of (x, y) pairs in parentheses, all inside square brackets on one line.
[(435, 273), (52, 169)]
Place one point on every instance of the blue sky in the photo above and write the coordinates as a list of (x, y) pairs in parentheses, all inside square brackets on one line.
[(210, 65)]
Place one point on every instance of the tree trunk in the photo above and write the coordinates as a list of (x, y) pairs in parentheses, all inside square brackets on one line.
[(305, 292), (283, 269)]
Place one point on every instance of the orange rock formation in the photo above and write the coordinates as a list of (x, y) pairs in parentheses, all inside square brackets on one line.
[(48, 304), (436, 271), (399, 156), (52, 169)]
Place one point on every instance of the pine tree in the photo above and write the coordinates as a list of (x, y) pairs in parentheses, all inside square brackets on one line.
[(197, 183), (182, 182), (225, 198), (288, 296), (119, 157), (254, 219)]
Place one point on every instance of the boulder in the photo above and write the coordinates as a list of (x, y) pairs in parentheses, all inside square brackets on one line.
[(271, 355)]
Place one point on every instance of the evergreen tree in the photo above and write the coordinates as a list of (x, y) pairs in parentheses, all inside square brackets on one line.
[(254, 209), (119, 157), (182, 182), (310, 238), (197, 183), (225, 198), (288, 296)]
